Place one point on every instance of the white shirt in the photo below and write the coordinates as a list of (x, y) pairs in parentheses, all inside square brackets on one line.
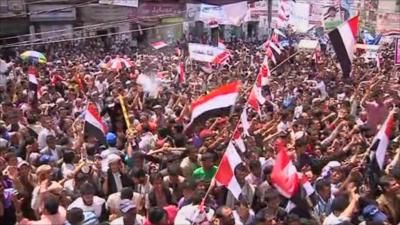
[(114, 200), (43, 136), (120, 221), (333, 220), (321, 87), (190, 213), (118, 182)]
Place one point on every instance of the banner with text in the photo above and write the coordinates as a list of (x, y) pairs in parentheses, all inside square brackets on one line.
[(203, 53)]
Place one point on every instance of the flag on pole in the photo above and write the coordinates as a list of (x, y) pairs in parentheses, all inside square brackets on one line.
[(34, 84), (159, 44), (378, 149), (217, 103), (94, 124), (381, 141), (343, 39), (225, 174), (263, 74), (284, 174)]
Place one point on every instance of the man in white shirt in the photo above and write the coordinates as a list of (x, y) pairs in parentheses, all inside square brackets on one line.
[(46, 131), (129, 215)]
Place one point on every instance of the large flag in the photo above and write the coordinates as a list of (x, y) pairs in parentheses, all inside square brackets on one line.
[(284, 174), (94, 125), (343, 39), (226, 171), (217, 103), (378, 150), (381, 141)]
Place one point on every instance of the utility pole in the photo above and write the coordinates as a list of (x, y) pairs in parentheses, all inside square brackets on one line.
[(269, 16)]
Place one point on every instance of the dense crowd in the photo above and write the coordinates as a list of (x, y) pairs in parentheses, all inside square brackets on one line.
[(156, 173)]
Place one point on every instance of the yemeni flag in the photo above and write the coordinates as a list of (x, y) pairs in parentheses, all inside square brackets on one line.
[(378, 149), (343, 39), (181, 73), (94, 125), (381, 141), (225, 174), (159, 44), (263, 74), (217, 103), (34, 84), (284, 174)]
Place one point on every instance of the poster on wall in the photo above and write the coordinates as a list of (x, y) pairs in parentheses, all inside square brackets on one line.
[(128, 3), (299, 17)]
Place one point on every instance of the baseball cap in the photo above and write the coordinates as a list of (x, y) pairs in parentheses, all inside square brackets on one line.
[(372, 212), (111, 138), (125, 205)]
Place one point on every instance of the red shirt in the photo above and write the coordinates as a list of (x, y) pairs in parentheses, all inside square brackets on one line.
[(171, 214)]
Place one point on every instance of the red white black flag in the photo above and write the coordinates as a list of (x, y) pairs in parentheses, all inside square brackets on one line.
[(343, 39), (94, 124)]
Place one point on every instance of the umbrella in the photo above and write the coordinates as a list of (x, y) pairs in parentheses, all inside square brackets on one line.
[(119, 63), (33, 56)]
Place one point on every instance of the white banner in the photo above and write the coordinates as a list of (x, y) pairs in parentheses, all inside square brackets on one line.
[(203, 53), (299, 17), (129, 3), (230, 14)]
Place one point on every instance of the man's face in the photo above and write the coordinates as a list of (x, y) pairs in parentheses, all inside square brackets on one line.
[(227, 218), (206, 163), (87, 199)]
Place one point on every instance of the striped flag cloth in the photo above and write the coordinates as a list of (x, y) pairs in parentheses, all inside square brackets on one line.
[(343, 39), (225, 174), (378, 149), (94, 124), (284, 174), (159, 44), (217, 103), (34, 84)]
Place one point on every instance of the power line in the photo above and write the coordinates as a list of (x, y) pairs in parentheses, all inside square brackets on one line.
[(95, 36), (91, 26)]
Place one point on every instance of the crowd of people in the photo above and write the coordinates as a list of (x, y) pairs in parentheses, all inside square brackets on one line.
[(156, 173)]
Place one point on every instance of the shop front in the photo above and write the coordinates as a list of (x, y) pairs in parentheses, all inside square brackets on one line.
[(106, 20), (160, 21), (52, 18)]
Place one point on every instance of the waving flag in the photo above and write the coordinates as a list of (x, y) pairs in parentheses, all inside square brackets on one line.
[(217, 103), (284, 174), (226, 171), (343, 39), (263, 74), (34, 84), (94, 125), (381, 141), (159, 44)]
